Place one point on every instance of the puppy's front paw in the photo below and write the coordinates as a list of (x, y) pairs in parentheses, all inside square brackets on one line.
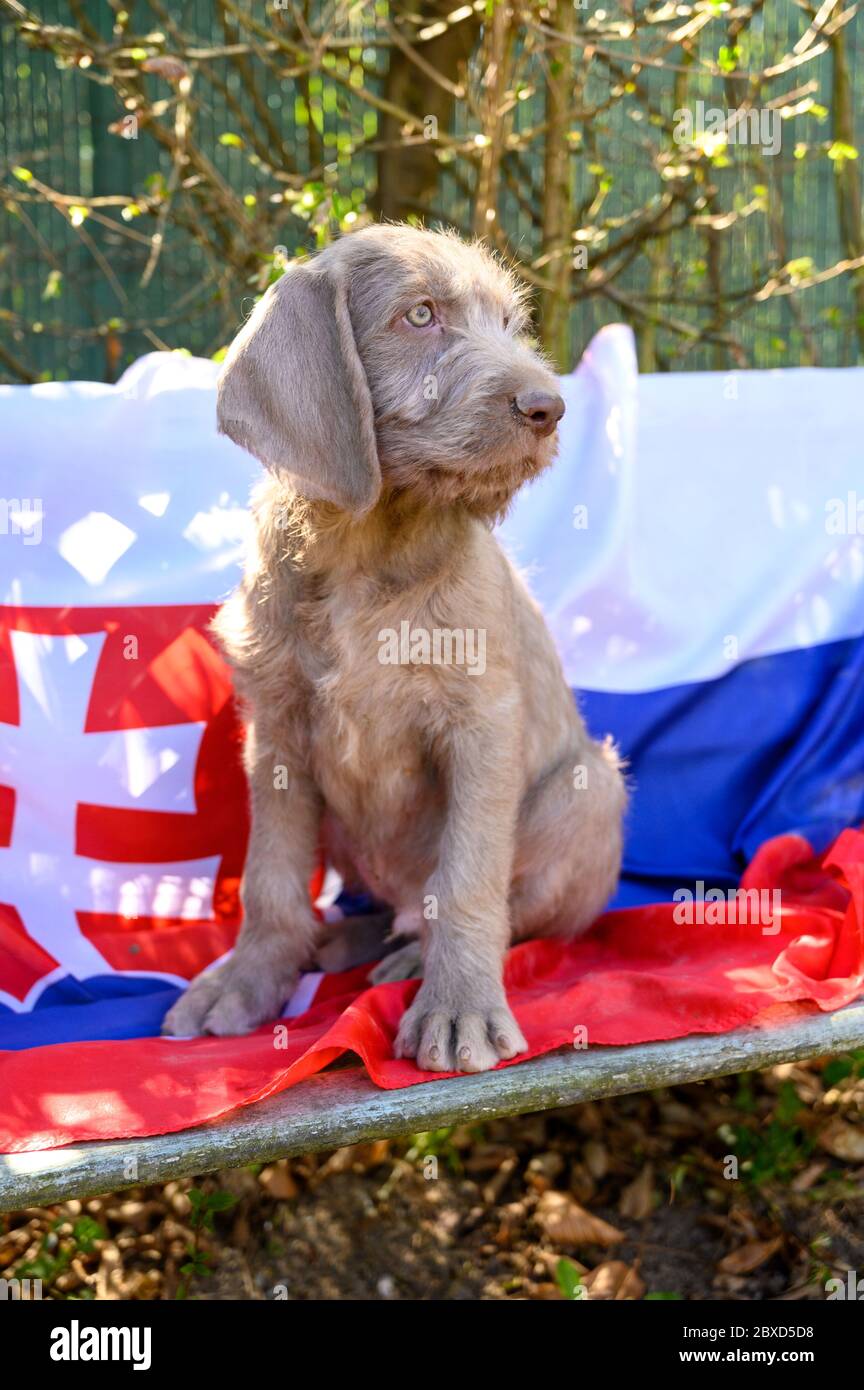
[(234, 998), (458, 1037)]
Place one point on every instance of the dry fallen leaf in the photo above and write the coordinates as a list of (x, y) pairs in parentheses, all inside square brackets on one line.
[(809, 1175), (741, 1218), (750, 1256), (596, 1157), (582, 1185), (566, 1223), (487, 1158), (278, 1182), (614, 1280), (843, 1140), (543, 1169), (493, 1189), (551, 1259), (545, 1292), (356, 1158), (637, 1199)]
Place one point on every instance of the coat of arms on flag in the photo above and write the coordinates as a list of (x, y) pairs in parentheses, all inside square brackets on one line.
[(123, 828)]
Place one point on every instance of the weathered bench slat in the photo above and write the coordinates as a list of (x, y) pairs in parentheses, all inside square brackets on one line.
[(343, 1107)]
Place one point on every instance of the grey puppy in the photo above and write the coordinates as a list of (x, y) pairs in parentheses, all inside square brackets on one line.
[(389, 388)]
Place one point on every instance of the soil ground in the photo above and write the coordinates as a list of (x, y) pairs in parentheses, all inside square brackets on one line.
[(750, 1187)]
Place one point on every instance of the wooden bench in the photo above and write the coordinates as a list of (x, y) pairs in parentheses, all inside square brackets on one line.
[(342, 1106)]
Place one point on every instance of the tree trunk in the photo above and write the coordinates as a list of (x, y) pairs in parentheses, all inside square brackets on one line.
[(408, 176), (848, 176), (556, 321)]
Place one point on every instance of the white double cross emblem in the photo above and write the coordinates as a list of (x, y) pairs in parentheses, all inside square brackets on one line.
[(54, 766)]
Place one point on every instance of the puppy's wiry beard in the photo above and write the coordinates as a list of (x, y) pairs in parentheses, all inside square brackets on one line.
[(484, 486)]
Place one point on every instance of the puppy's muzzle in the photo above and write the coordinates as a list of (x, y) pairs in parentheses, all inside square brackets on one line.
[(539, 410)]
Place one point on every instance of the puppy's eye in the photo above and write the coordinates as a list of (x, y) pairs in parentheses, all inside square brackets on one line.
[(506, 321), (420, 315)]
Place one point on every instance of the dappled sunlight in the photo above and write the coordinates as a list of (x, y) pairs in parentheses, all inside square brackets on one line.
[(94, 544), (156, 503), (73, 1107), (42, 1161), (221, 525), (157, 891)]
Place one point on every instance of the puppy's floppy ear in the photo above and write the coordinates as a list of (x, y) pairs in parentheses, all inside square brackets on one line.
[(293, 391)]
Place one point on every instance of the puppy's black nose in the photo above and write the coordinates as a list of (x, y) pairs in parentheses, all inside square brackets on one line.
[(539, 410)]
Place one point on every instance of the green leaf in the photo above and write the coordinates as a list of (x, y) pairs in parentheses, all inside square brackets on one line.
[(569, 1280), (53, 285), (839, 152), (837, 1070), (221, 1201), (789, 1103), (798, 270), (86, 1231), (229, 138), (40, 1268)]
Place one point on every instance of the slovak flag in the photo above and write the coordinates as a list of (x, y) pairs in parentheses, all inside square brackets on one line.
[(698, 549)]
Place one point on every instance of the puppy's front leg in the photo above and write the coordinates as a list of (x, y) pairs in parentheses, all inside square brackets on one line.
[(460, 1019), (278, 922)]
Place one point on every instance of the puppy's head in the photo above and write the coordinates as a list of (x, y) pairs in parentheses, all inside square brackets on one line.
[(395, 359)]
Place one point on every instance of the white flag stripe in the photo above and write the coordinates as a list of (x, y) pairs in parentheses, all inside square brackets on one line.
[(708, 530)]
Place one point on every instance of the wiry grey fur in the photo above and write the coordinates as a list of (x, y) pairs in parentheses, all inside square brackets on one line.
[(458, 799)]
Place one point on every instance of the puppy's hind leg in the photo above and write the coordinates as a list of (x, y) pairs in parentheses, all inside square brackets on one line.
[(406, 963), (403, 962), (569, 839), (353, 941)]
